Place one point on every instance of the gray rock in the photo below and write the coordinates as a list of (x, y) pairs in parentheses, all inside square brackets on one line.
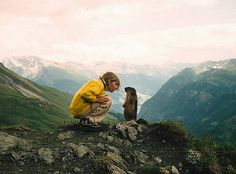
[(141, 128), (100, 145), (132, 133), (77, 170), (158, 159), (110, 139), (122, 129), (115, 170), (103, 135), (90, 138), (118, 141), (46, 154), (131, 123), (66, 135), (116, 158), (143, 158), (80, 151), (15, 156), (8, 142), (114, 149), (64, 159), (129, 172), (91, 154), (174, 170), (127, 143)]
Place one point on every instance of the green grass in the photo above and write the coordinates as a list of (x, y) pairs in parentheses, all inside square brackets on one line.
[(44, 114)]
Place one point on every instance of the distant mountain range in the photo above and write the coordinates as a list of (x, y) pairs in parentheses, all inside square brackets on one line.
[(70, 76), (203, 97), (23, 102)]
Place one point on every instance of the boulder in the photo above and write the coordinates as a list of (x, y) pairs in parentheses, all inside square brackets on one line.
[(66, 135), (116, 158), (80, 151), (132, 133), (8, 142), (46, 154), (143, 158), (115, 169)]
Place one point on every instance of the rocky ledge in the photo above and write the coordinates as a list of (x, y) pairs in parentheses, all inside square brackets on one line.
[(126, 148)]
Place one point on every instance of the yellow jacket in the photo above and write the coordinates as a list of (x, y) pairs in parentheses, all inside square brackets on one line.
[(87, 95)]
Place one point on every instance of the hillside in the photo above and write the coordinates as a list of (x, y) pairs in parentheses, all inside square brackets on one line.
[(23, 102), (125, 148), (203, 97)]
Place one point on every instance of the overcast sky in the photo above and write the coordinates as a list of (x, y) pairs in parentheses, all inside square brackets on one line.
[(140, 31)]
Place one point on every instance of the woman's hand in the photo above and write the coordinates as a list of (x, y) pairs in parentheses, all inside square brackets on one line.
[(102, 99)]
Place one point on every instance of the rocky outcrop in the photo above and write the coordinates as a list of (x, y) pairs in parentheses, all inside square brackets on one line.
[(8, 142), (126, 148)]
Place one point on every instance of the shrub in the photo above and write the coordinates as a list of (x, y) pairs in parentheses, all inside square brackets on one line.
[(101, 164), (201, 156), (227, 157), (170, 131), (149, 169)]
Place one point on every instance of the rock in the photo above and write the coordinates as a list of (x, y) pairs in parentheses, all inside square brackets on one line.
[(64, 159), (131, 123), (79, 150), (46, 154), (103, 135), (163, 141), (141, 128), (90, 138), (127, 143), (100, 145), (92, 154), (114, 149), (15, 156), (121, 129), (174, 170), (129, 172), (66, 135), (132, 133), (158, 159), (118, 141), (77, 170), (143, 158), (164, 171), (116, 158), (110, 139), (8, 142), (115, 170)]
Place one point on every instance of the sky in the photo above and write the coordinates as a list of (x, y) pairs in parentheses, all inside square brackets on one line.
[(131, 31)]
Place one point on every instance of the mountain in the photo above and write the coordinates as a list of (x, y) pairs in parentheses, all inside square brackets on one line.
[(70, 76), (48, 73), (23, 102), (203, 97)]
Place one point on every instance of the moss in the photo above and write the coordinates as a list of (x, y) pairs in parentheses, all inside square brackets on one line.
[(101, 164), (151, 168), (170, 131)]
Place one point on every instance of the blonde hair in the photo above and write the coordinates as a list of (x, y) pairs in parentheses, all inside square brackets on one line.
[(110, 76)]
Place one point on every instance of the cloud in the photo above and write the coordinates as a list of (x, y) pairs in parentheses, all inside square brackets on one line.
[(152, 30)]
